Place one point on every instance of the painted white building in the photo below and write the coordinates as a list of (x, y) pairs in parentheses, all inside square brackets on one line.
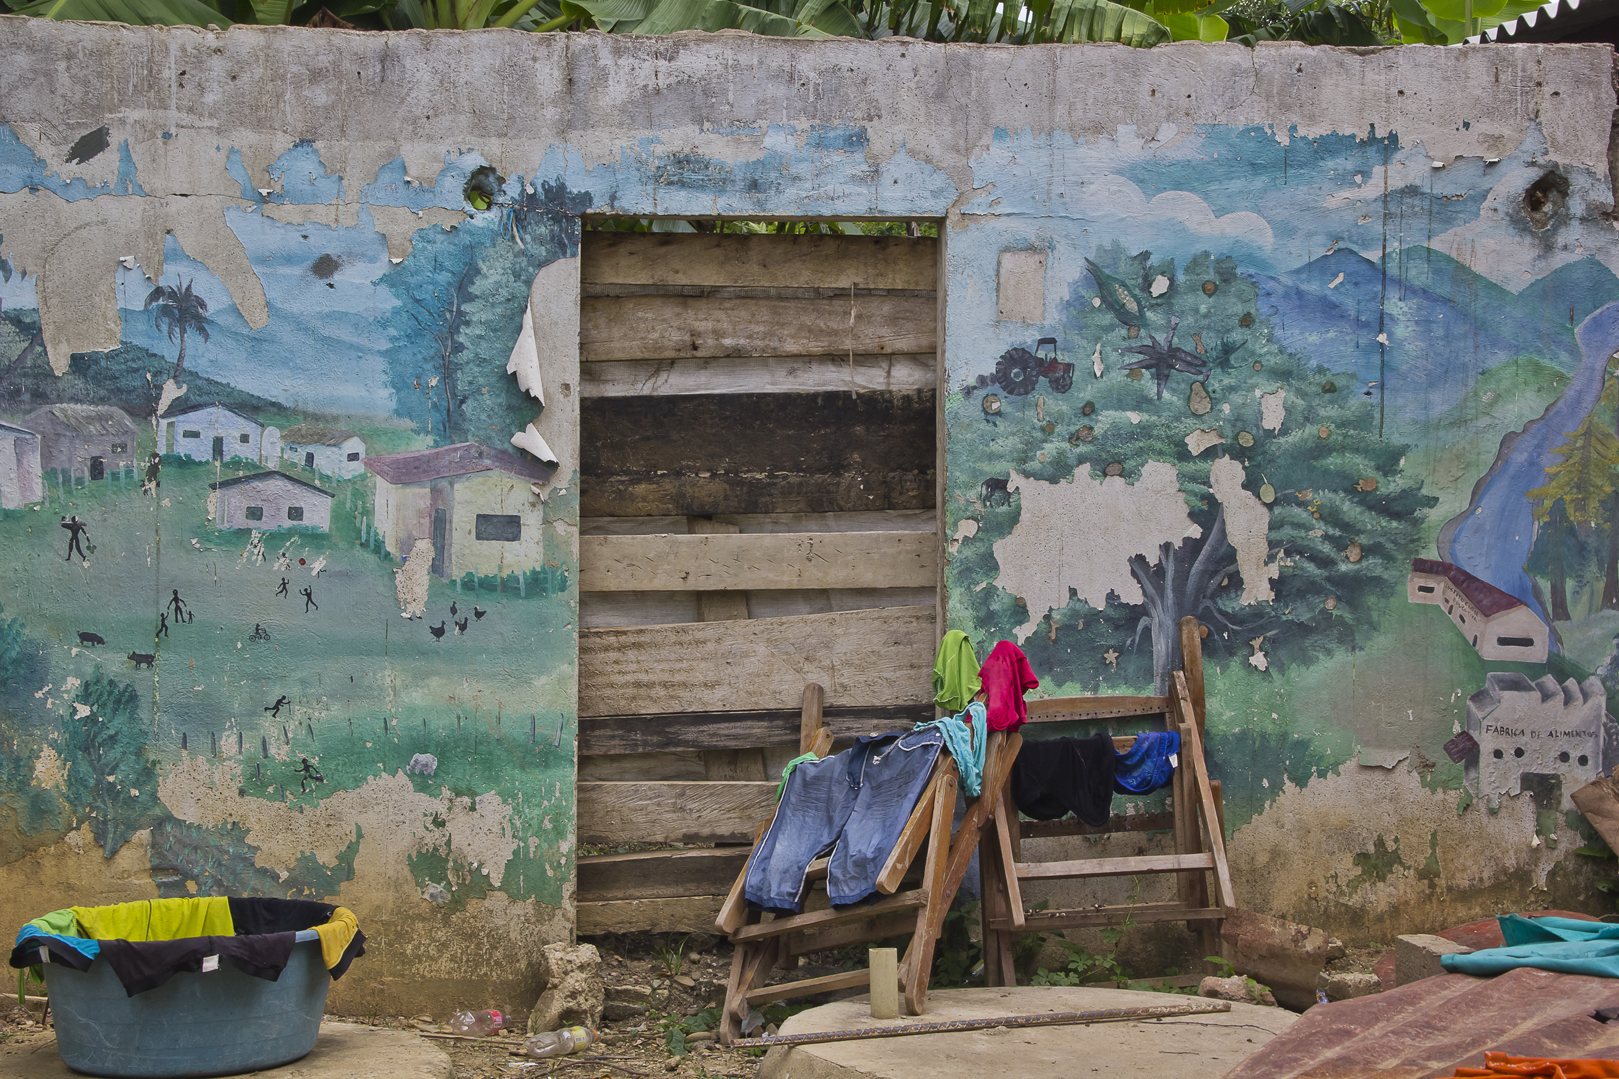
[(210, 433), (330, 451), (20, 473), (271, 502), (1497, 624)]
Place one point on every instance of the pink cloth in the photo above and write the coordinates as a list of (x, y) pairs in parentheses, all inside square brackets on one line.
[(1007, 676)]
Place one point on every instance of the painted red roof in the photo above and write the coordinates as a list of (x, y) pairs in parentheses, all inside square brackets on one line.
[(461, 459), (1483, 595)]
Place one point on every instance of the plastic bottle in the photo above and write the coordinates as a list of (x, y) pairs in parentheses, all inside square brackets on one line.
[(559, 1043), (476, 1024)]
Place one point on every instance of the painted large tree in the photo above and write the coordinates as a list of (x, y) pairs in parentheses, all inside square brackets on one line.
[(1294, 521), (179, 311)]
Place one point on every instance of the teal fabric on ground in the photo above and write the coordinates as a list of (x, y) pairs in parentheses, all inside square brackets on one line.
[(965, 739), (1562, 945), (788, 771), (955, 673)]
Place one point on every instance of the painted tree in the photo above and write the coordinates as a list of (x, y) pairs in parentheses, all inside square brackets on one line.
[(1581, 493), (178, 311), (1298, 522), (109, 777)]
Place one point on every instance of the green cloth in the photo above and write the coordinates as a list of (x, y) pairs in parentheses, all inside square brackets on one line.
[(788, 771), (1563, 945), (955, 673), (58, 923), (158, 919)]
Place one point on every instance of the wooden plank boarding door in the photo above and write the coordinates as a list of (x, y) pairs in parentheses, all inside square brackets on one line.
[(757, 515)]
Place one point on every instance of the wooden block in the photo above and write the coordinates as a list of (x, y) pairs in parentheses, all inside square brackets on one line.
[(811, 712), (690, 914), (613, 813), (883, 968), (740, 562), (663, 874), (759, 260), (758, 374), (1113, 867), (877, 658), (661, 327)]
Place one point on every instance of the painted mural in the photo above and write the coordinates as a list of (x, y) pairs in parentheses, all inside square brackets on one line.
[(284, 601), (1353, 408)]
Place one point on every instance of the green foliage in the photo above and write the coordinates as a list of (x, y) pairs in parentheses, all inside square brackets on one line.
[(110, 778), (957, 958), (675, 1028), (672, 957)]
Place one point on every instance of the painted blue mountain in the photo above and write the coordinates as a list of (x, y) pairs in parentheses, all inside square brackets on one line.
[(1443, 322)]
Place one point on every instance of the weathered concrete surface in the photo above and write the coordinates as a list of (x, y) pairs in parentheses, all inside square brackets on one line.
[(344, 1051), (1190, 1046)]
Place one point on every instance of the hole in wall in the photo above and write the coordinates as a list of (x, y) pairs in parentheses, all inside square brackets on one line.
[(482, 187), (1544, 200)]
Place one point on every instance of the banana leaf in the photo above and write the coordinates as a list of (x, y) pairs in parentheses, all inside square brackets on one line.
[(1194, 26), (1455, 10), (1074, 22), (134, 12), (672, 16)]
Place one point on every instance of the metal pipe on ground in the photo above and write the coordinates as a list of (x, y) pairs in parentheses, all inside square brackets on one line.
[(1049, 1019)]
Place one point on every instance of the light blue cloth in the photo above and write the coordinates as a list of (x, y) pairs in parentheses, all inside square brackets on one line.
[(1557, 944), (965, 739)]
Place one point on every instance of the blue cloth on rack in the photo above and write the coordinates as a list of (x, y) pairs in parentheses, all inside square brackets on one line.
[(965, 738), (1563, 945), (1148, 764)]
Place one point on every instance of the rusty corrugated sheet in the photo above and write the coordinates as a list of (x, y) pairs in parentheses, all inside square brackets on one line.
[(1430, 1027)]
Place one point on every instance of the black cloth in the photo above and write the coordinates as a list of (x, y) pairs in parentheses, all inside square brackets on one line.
[(147, 964), (254, 914), (1057, 776)]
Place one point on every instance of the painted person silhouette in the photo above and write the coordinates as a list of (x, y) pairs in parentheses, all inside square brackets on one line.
[(178, 605), (309, 599), (282, 591), (75, 530), (308, 772), (162, 624), (275, 709)]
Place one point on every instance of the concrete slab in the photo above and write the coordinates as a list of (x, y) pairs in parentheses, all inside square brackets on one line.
[(344, 1051), (1188, 1047)]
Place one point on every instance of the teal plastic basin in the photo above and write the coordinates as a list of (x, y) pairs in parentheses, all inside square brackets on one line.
[(222, 1022)]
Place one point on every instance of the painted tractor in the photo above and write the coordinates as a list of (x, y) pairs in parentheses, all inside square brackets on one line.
[(1019, 371)]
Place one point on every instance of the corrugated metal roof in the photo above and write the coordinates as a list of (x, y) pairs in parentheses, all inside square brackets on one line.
[(1430, 1027), (461, 459)]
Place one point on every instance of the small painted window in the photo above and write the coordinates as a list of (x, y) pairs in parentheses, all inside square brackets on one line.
[(295, 513), (502, 527), (190, 434), (120, 447), (254, 513), (1515, 642), (244, 439), (1427, 589), (354, 457)]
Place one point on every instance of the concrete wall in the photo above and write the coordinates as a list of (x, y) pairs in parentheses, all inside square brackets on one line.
[(1340, 243)]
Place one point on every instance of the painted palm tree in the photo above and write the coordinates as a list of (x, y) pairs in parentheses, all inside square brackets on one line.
[(178, 311)]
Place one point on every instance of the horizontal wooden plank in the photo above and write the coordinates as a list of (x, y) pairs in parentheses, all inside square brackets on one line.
[(675, 732), (670, 327), (603, 610), (713, 455), (925, 520), (692, 914), (830, 916), (1134, 822), (808, 987), (1082, 709), (756, 260), (865, 659), (661, 874), (725, 563), (1113, 867), (1043, 921), (614, 813), (861, 931), (756, 374)]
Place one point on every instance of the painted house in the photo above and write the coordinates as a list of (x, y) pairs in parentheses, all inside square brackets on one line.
[(272, 501), (211, 433), (83, 440), (330, 451), (472, 501), (1535, 734), (20, 479), (1497, 624)]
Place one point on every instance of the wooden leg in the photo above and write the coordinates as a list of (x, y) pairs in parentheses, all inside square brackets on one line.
[(929, 920), (991, 906)]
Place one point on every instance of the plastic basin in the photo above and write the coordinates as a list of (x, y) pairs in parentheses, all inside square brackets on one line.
[(222, 1022)]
